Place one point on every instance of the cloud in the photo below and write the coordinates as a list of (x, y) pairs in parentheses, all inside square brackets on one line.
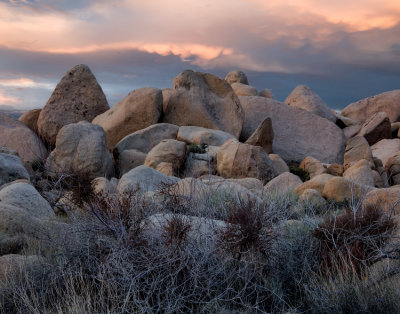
[(25, 83), (8, 100)]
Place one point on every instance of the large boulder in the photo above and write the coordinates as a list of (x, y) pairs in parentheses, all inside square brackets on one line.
[(376, 128), (265, 93), (392, 167), (81, 147), (360, 173), (168, 151), (14, 134), (384, 199), (241, 89), (297, 133), (237, 77), (305, 98), (30, 119), (385, 149), (129, 159), (388, 102), (283, 183), (11, 169), (140, 109), (357, 148), (198, 135), (205, 100), (263, 136), (316, 183), (144, 140), (144, 179), (313, 166), (340, 189), (279, 164), (78, 96), (24, 217), (237, 160), (197, 165)]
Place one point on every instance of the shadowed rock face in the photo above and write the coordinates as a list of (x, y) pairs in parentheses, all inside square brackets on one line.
[(297, 133), (388, 102), (205, 100), (78, 96), (14, 134)]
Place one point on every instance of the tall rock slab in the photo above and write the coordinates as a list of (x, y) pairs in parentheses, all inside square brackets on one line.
[(297, 133)]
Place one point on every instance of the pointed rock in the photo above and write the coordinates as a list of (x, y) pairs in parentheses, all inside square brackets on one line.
[(78, 96), (263, 136), (305, 98), (376, 128)]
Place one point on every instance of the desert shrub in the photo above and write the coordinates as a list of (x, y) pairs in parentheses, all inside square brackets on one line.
[(301, 173), (248, 229), (176, 231), (353, 238), (198, 149)]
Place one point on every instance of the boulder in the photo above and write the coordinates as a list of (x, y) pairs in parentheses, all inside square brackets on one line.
[(360, 173), (392, 167), (385, 199), (335, 170), (234, 190), (11, 169), (313, 197), (24, 196), (78, 96), (347, 121), (24, 217), (340, 189), (81, 147), (205, 100), (263, 136), (129, 159), (351, 131), (15, 135), (237, 160), (279, 164), (144, 179), (197, 165), (379, 181), (241, 89), (388, 102), (266, 93), (166, 93), (376, 128), (168, 151), (385, 149), (144, 140), (313, 166), (252, 184), (104, 187), (199, 229), (140, 109), (198, 136), (294, 138), (283, 184), (316, 183), (357, 148), (237, 77), (305, 98), (166, 168), (30, 119)]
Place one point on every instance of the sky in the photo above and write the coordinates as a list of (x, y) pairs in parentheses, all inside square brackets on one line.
[(344, 50)]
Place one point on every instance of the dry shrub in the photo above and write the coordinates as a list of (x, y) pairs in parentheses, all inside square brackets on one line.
[(353, 238), (248, 229), (176, 231)]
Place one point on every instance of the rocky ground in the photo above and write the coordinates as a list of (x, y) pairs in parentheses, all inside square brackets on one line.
[(209, 196)]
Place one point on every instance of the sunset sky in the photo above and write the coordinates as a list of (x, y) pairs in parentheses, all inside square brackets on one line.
[(344, 50)]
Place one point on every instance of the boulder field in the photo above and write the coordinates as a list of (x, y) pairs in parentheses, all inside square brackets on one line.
[(204, 134)]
